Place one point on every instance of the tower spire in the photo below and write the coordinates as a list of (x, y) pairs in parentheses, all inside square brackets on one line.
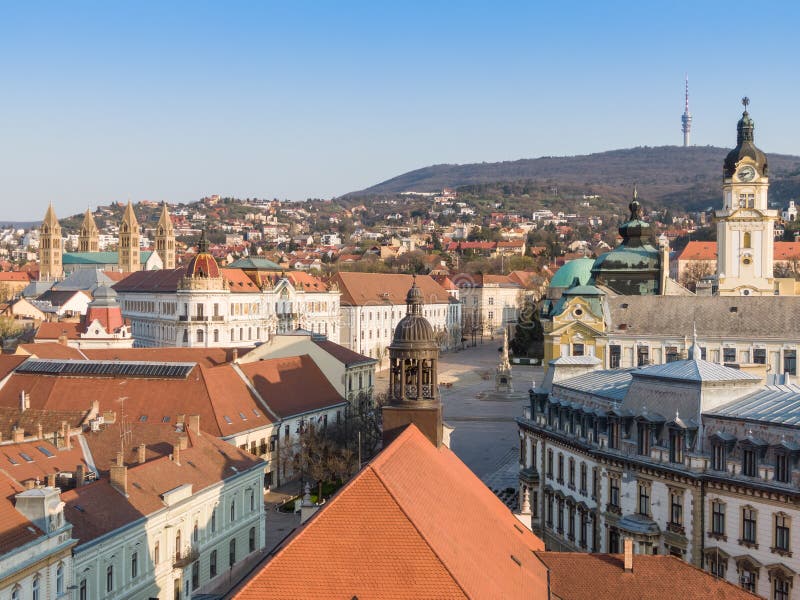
[(686, 119)]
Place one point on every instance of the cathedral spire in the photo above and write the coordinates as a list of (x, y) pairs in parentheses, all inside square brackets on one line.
[(165, 238), (50, 248), (89, 237), (129, 256)]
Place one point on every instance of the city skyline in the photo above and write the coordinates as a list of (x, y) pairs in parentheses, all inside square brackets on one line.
[(174, 103)]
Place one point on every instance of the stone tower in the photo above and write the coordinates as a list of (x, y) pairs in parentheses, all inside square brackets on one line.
[(165, 238), (89, 237), (129, 259), (745, 224), (413, 380), (50, 247)]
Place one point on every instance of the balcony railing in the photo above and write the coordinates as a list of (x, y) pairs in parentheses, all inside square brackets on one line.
[(185, 557)]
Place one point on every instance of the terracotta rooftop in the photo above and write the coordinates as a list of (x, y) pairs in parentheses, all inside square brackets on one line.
[(37, 459), (365, 289), (98, 508), (414, 523), (29, 419), (206, 357), (15, 529), (49, 350), (699, 251), (161, 280), (52, 331), (291, 386), (239, 282), (342, 354), (581, 576)]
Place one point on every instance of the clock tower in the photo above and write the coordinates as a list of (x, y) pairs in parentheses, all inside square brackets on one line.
[(745, 224)]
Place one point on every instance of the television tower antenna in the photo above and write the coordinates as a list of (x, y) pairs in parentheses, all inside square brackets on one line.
[(686, 118)]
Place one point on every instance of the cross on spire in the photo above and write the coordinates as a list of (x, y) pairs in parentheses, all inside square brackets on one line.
[(745, 102)]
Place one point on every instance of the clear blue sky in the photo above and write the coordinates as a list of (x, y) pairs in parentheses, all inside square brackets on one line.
[(105, 101)]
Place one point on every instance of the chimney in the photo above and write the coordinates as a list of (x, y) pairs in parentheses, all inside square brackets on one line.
[(24, 401), (62, 339), (109, 416), (176, 453), (141, 453), (94, 411), (183, 442), (51, 480), (65, 435), (180, 419), (234, 355), (79, 475), (119, 478), (628, 545), (17, 434), (30, 484), (194, 424), (39, 432)]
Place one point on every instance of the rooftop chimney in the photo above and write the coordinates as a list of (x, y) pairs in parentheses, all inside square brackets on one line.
[(24, 401), (51, 480), (79, 475), (194, 424), (63, 339), (141, 453), (176, 453), (183, 442), (119, 475), (65, 435), (39, 432), (234, 355), (17, 434), (628, 545)]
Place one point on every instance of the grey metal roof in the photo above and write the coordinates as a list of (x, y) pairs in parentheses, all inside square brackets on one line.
[(756, 317), (576, 360), (695, 370), (611, 384), (777, 404), (83, 279)]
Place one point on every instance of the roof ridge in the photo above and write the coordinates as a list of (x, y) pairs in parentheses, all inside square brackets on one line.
[(402, 509)]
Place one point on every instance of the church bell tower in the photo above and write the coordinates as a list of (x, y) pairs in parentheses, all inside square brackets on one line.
[(413, 379), (50, 247), (745, 224), (89, 237), (165, 238), (129, 255)]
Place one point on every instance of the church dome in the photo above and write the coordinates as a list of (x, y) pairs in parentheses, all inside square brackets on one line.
[(104, 296), (745, 147), (414, 330), (633, 267), (203, 264)]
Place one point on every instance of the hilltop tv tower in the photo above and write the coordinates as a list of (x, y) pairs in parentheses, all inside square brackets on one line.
[(686, 119)]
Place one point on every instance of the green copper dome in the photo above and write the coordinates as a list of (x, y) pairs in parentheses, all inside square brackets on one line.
[(633, 267), (745, 146), (580, 268)]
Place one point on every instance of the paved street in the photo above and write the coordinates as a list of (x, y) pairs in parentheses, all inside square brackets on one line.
[(485, 435)]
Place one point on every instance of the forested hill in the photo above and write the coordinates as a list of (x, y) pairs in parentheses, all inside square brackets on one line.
[(689, 177)]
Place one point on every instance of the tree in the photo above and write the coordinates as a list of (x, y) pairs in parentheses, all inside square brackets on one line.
[(529, 333), (694, 271), (9, 328)]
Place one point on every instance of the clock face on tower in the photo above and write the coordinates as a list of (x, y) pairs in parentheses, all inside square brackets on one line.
[(746, 173)]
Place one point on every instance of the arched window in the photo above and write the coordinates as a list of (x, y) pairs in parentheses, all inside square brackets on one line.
[(82, 594), (178, 544), (233, 510), (156, 553), (60, 579), (214, 520), (35, 588), (747, 242), (110, 578), (252, 539), (15, 593)]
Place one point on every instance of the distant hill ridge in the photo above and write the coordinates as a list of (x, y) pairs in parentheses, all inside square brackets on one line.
[(662, 171)]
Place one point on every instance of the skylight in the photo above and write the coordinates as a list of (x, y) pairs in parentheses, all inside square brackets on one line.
[(227, 419), (26, 457), (45, 451)]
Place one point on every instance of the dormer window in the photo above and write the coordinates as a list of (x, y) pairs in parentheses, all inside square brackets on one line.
[(749, 463), (676, 445)]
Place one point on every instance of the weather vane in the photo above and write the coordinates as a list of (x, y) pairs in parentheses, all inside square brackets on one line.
[(745, 102)]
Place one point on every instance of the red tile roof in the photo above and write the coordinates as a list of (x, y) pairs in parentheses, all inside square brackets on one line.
[(239, 282), (581, 576), (291, 386), (14, 276), (40, 465), (163, 280), (786, 251), (699, 251), (414, 523), (15, 529), (50, 350), (366, 289), (53, 331)]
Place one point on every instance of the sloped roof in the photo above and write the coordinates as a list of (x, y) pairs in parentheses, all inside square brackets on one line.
[(15, 529), (52, 330), (755, 317), (699, 251), (582, 576), (98, 258), (414, 523), (695, 370), (580, 268), (291, 386), (238, 281), (342, 354), (776, 404), (611, 384), (376, 289), (255, 263), (15, 276), (84, 279), (163, 280)]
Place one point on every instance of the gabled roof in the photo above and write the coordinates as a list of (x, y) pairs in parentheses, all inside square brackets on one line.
[(98, 258), (414, 523), (699, 251), (255, 263), (238, 281), (344, 355), (164, 280), (611, 384), (15, 529)]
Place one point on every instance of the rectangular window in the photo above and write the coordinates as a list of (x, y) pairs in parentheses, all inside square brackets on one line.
[(780, 589), (613, 434), (613, 541), (614, 356), (549, 510), (613, 491), (134, 565), (748, 525), (549, 464), (782, 532), (760, 356), (195, 575), (572, 472), (790, 362), (644, 499), (782, 468), (719, 458), (671, 353), (675, 446), (560, 516), (560, 478), (642, 356), (749, 466), (676, 508), (583, 478), (577, 350), (643, 431), (212, 567), (595, 484), (718, 517), (729, 355)]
